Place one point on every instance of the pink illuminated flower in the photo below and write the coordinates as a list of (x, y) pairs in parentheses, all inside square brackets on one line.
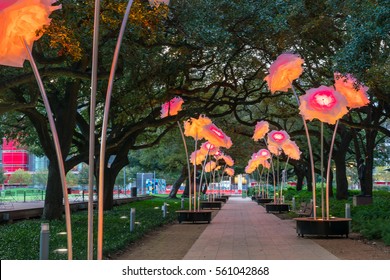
[(171, 107), (197, 157), (216, 136), (264, 153), (277, 137), (210, 166), (323, 103), (261, 130), (20, 20), (291, 149), (355, 93), (283, 71), (194, 127), (208, 148), (229, 171)]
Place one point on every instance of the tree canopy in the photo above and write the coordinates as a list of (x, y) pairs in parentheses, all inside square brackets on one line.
[(215, 55)]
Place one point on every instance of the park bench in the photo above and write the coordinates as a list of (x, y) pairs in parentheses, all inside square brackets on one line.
[(305, 210)]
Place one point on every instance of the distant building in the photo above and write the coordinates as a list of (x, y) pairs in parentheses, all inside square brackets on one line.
[(14, 157)]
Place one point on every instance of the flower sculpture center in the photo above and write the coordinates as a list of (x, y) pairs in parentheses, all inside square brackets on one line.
[(323, 100), (278, 137)]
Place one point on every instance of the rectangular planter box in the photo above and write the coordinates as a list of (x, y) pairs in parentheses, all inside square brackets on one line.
[(272, 207), (264, 200), (221, 199), (210, 204), (333, 226), (194, 216)]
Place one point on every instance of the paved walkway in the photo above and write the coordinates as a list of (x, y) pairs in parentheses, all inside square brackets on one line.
[(242, 230)]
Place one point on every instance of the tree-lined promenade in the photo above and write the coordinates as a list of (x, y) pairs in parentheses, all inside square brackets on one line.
[(214, 55)]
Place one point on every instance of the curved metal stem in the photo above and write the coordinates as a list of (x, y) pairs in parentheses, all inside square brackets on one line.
[(328, 169), (91, 160), (310, 156), (188, 160), (196, 144), (322, 171), (57, 148), (104, 132)]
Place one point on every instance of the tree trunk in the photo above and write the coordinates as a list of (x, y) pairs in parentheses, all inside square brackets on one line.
[(299, 170), (309, 178), (367, 183), (110, 174), (53, 206), (175, 187), (341, 176)]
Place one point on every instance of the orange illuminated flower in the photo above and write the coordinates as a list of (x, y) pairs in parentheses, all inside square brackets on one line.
[(20, 20), (228, 160), (197, 157), (210, 166), (274, 149), (229, 171), (216, 136), (208, 148), (283, 71), (171, 107), (323, 103), (291, 149), (250, 167), (261, 130), (266, 164), (351, 89), (277, 137), (194, 127)]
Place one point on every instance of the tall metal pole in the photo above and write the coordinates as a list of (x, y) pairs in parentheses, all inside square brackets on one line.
[(328, 169), (104, 132), (57, 148), (310, 156), (91, 161)]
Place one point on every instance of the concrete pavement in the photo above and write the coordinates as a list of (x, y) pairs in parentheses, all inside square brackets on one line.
[(242, 230)]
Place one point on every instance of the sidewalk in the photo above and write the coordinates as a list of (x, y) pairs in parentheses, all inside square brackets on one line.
[(242, 230)]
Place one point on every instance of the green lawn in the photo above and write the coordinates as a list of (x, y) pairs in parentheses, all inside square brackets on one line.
[(20, 240)]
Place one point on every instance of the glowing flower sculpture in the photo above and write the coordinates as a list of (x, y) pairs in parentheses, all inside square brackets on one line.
[(355, 93), (229, 171), (20, 20), (197, 157), (251, 167), (277, 138), (172, 107), (283, 71), (216, 136), (291, 149), (264, 153), (228, 160), (261, 130), (210, 166), (323, 103), (208, 148), (194, 127)]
